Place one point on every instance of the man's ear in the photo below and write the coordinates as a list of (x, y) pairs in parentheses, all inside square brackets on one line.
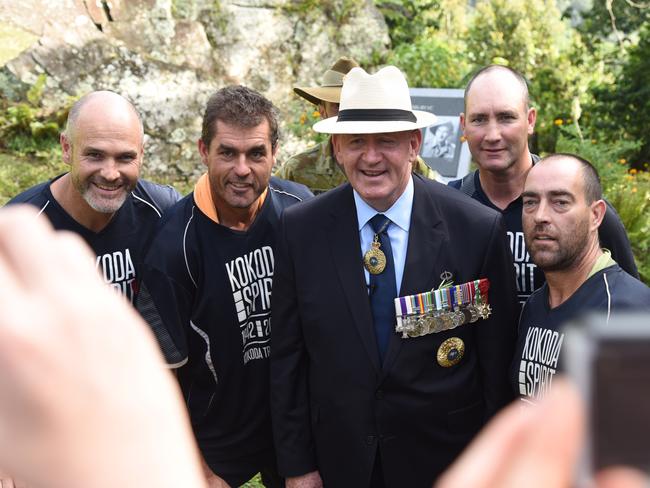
[(203, 151), (598, 210), (335, 144), (275, 153), (66, 148), (462, 122), (532, 118), (415, 143)]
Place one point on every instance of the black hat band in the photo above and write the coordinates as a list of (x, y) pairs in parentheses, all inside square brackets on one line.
[(375, 114)]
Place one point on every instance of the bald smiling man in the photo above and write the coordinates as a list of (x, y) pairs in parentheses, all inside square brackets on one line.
[(102, 198)]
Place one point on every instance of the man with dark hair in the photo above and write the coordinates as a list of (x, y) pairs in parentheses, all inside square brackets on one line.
[(385, 358), (317, 166), (496, 123), (101, 198), (563, 209), (206, 289), (240, 107)]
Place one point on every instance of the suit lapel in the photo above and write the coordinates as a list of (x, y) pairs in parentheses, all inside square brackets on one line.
[(346, 251), (425, 241)]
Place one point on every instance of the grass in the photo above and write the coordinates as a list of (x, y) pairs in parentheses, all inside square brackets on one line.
[(17, 173)]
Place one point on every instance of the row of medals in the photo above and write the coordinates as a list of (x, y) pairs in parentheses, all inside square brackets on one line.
[(432, 321)]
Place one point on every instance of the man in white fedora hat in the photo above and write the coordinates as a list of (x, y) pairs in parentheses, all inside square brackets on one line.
[(317, 167), (394, 308)]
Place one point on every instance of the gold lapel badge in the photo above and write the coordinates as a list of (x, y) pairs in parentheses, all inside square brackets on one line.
[(451, 352), (374, 259)]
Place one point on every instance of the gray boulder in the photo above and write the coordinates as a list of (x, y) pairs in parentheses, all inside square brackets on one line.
[(168, 56)]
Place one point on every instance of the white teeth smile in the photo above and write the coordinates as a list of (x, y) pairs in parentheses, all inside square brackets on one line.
[(107, 188)]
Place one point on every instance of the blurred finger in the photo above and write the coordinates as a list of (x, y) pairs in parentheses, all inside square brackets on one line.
[(74, 253), (23, 234), (520, 446), (6, 483), (490, 452), (551, 446), (621, 477)]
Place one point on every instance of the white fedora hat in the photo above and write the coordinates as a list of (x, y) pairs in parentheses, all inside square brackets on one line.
[(375, 103)]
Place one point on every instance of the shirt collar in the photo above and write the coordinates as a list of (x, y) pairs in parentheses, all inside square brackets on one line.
[(604, 261), (399, 213)]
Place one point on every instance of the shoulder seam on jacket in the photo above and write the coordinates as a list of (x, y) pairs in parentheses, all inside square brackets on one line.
[(187, 264), (609, 297), (148, 203), (285, 193), (43, 208), (467, 185)]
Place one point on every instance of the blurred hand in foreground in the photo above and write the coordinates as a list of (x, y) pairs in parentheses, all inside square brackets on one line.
[(535, 447), (85, 398)]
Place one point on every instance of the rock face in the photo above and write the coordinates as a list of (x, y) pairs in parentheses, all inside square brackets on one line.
[(168, 56)]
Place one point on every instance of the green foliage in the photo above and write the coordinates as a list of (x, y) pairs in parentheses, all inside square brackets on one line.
[(628, 18), (428, 42), (335, 11), (430, 61), (26, 128), (631, 198), (441, 46), (29, 141), (609, 158), (531, 37), (407, 19), (622, 109), (301, 118), (627, 190)]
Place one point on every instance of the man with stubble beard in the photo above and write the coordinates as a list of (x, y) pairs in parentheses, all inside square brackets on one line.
[(497, 121), (206, 288), (102, 198), (562, 211)]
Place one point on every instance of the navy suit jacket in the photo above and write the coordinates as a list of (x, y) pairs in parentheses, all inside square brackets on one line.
[(333, 404)]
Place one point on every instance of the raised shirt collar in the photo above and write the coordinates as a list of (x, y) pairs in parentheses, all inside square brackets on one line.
[(399, 213)]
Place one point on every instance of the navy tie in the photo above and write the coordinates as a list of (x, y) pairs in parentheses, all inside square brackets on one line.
[(382, 288)]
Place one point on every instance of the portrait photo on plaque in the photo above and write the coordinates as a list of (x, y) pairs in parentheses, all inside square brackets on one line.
[(442, 147), (439, 140)]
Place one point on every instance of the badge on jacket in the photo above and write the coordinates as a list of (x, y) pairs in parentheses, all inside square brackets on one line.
[(450, 352)]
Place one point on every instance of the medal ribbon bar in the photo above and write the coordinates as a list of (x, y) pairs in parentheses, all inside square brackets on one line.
[(443, 309)]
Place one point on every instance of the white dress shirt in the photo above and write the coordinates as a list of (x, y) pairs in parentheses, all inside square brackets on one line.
[(398, 230)]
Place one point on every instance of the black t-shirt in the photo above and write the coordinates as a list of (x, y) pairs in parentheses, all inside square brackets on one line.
[(119, 247), (540, 337), (206, 292), (529, 277)]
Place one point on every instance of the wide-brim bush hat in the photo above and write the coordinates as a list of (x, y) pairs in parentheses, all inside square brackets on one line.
[(332, 81), (375, 103)]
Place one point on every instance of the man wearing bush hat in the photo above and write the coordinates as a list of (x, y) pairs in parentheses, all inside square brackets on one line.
[(317, 167), (394, 327)]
